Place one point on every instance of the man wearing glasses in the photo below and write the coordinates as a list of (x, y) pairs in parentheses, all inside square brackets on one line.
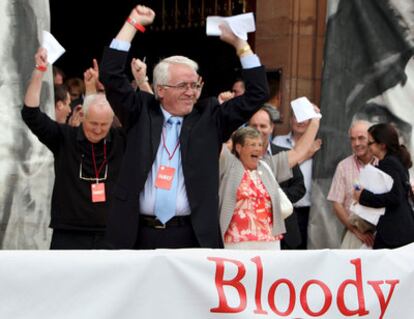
[(167, 192), (86, 161)]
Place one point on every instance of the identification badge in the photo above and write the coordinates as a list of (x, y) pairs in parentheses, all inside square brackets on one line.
[(165, 177), (98, 192)]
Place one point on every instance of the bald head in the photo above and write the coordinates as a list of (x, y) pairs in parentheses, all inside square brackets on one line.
[(98, 117)]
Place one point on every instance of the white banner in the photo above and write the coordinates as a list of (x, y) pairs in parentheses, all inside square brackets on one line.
[(200, 283)]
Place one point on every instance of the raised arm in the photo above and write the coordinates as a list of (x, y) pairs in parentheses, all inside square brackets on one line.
[(305, 145), (237, 111), (125, 102), (32, 96), (139, 17), (47, 130), (139, 71)]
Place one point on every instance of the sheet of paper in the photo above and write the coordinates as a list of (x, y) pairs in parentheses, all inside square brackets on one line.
[(369, 214), (377, 182), (303, 109), (240, 24), (53, 47)]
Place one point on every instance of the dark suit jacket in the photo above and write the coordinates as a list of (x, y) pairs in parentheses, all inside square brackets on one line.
[(396, 226), (295, 190), (202, 134)]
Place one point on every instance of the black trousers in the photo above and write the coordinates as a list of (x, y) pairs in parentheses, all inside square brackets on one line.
[(302, 214), (177, 236), (77, 239)]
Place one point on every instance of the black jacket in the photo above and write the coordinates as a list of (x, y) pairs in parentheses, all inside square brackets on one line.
[(295, 190), (202, 134), (396, 226)]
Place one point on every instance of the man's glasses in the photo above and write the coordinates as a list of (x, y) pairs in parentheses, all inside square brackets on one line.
[(184, 86)]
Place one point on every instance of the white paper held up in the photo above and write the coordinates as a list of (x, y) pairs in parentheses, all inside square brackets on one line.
[(377, 182), (240, 24), (303, 109), (53, 47)]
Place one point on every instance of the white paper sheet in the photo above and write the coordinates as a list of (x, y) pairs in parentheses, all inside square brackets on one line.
[(303, 109), (240, 24), (53, 47), (377, 182)]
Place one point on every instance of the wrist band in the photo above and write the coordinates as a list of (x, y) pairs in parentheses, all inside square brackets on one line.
[(244, 50), (136, 25), (41, 68)]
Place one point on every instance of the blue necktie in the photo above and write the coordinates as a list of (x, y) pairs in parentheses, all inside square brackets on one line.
[(165, 200)]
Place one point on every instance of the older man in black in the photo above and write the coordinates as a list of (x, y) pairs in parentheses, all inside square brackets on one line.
[(135, 220), (87, 161)]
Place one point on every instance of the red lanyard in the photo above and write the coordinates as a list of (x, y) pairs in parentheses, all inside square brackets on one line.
[(170, 155), (98, 171)]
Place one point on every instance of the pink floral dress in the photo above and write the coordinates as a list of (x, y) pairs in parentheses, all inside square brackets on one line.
[(252, 218)]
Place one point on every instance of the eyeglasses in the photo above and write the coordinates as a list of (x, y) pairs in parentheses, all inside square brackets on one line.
[(184, 86), (93, 178), (371, 142)]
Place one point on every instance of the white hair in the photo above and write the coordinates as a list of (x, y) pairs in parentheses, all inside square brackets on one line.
[(357, 123), (98, 100), (161, 73)]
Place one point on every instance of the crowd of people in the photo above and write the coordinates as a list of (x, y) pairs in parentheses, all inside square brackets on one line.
[(141, 166)]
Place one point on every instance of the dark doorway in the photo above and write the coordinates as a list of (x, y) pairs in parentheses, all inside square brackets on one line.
[(85, 27)]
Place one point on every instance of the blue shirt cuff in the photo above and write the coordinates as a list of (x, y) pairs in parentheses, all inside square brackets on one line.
[(120, 45), (250, 61)]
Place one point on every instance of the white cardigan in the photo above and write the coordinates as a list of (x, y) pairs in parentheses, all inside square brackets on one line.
[(231, 174)]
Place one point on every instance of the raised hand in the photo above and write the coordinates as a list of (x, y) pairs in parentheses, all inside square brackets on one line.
[(229, 37), (143, 15), (225, 96), (41, 59), (91, 79), (139, 70)]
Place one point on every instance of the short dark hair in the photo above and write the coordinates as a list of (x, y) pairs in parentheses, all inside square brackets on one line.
[(274, 114), (61, 93), (239, 137)]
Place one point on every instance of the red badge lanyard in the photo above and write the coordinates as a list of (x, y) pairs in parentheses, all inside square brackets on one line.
[(170, 155), (98, 171)]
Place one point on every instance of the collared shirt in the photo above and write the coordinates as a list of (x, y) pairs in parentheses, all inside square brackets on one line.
[(305, 167), (267, 156), (147, 196), (346, 175)]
